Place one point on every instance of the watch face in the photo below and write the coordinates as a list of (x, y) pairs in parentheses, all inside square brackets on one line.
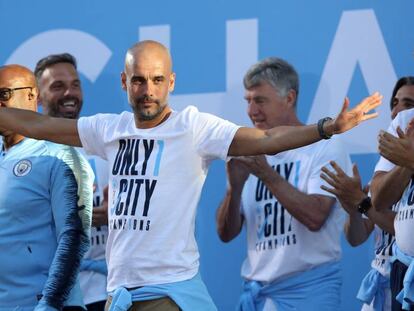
[(364, 206)]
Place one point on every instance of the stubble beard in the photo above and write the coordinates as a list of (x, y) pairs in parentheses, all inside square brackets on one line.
[(54, 109), (146, 114)]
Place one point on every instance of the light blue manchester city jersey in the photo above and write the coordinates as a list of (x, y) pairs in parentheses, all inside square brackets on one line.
[(45, 215)]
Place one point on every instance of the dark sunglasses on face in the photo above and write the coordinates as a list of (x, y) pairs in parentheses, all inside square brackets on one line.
[(6, 93)]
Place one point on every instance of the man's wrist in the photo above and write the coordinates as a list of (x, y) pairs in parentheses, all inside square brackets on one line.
[(235, 189), (330, 127), (325, 128), (364, 205), (354, 214), (271, 177)]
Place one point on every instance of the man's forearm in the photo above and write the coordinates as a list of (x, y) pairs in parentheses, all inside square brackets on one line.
[(383, 219), (311, 210), (388, 187), (357, 229), (20, 121), (290, 137), (229, 219), (249, 141), (38, 126)]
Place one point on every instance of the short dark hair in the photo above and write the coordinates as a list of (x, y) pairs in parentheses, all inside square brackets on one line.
[(281, 75), (408, 80), (51, 60)]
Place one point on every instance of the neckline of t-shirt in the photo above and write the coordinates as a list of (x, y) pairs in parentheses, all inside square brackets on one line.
[(170, 117)]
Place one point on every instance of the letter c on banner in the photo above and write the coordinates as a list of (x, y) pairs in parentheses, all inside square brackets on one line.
[(91, 53)]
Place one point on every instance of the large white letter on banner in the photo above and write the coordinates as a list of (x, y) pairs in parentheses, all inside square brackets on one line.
[(358, 41), (92, 55)]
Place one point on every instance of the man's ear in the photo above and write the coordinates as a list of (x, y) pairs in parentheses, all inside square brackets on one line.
[(34, 94), (123, 81), (291, 98), (172, 82), (34, 99)]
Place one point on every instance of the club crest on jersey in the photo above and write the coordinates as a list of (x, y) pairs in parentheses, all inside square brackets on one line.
[(22, 168)]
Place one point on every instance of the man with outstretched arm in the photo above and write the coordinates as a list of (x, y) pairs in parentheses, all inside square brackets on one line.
[(158, 161)]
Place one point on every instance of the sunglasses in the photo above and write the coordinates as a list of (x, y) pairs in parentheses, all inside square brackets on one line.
[(6, 93)]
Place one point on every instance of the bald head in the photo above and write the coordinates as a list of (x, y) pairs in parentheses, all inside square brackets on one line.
[(19, 84), (148, 79), (17, 74), (148, 49)]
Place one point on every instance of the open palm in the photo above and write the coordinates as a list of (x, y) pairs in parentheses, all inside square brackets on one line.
[(348, 119)]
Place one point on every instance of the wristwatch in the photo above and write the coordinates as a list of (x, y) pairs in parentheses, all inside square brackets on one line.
[(364, 205), (321, 131)]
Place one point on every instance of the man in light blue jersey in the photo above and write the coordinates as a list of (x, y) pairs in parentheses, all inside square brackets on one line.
[(60, 94), (45, 210)]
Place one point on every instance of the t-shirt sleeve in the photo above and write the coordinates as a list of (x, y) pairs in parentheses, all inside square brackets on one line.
[(212, 135), (332, 150), (91, 133)]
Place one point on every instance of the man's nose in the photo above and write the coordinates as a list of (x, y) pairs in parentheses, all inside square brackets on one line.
[(252, 108), (149, 88), (70, 91)]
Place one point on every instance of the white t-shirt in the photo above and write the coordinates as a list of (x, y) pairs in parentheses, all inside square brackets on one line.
[(279, 245), (155, 181), (404, 220), (93, 284), (383, 251)]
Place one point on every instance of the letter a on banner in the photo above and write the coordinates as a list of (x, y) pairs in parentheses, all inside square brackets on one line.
[(358, 42)]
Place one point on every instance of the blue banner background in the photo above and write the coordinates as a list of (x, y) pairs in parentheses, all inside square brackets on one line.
[(212, 43)]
